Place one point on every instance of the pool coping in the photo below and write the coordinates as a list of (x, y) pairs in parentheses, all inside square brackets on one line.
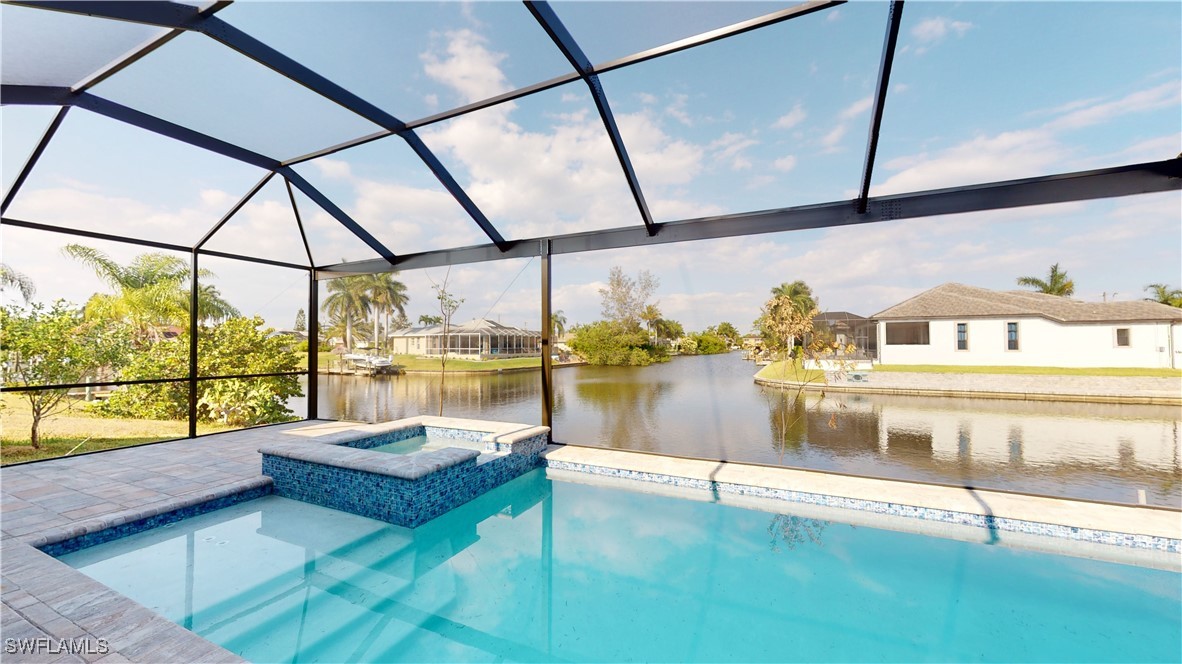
[(1113, 525)]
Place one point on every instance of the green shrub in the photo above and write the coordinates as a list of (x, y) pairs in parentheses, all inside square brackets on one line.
[(614, 344), (236, 346)]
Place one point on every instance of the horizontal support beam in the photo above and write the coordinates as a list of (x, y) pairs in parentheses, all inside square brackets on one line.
[(167, 246), (1152, 177)]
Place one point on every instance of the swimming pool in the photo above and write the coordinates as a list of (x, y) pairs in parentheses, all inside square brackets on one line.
[(544, 570)]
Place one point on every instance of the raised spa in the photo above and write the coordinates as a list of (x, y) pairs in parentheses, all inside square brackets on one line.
[(405, 472)]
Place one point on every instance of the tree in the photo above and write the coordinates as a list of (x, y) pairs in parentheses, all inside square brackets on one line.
[(236, 346), (730, 333), (55, 347), (625, 299), (301, 321), (10, 278), (448, 304), (558, 323), (426, 319), (386, 295), (152, 292), (782, 322), (799, 293), (1164, 294), (347, 301), (611, 343), (1056, 283), (650, 315), (665, 328)]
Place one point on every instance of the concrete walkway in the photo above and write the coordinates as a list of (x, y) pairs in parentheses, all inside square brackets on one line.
[(1101, 389)]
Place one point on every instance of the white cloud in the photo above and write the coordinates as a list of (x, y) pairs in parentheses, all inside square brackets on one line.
[(833, 15), (831, 139), (937, 28), (857, 108), (333, 169), (676, 110), (1006, 156), (646, 98), (791, 118), (785, 163), (467, 66), (730, 147), (1165, 95)]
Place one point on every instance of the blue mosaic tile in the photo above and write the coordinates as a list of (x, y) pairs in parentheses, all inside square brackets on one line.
[(404, 502), (1003, 524)]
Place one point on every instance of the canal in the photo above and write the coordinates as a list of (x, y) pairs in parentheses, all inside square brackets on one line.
[(709, 407)]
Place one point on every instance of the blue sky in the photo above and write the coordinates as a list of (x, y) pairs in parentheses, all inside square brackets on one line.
[(773, 118)]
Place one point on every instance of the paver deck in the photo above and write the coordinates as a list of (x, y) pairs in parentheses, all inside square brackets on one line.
[(43, 598)]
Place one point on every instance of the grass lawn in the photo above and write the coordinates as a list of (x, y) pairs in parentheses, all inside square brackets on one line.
[(791, 371), (75, 427), (1031, 371), (413, 363)]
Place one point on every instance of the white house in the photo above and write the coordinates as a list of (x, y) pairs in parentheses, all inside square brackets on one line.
[(479, 339), (954, 324)]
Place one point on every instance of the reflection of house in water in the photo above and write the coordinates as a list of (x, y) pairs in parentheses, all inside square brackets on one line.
[(958, 433), (846, 328), (479, 339)]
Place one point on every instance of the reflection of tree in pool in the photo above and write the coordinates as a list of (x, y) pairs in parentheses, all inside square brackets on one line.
[(788, 531), (629, 410)]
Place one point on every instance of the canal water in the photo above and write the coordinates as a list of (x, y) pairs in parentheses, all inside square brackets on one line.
[(709, 407)]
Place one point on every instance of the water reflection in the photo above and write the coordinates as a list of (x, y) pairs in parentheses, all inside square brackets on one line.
[(709, 407)]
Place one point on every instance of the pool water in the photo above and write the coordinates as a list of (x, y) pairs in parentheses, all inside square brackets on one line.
[(547, 570), (423, 442)]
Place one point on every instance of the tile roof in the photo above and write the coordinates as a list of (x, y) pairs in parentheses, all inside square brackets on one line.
[(959, 301)]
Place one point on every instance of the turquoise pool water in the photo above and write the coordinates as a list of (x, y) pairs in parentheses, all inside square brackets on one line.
[(545, 570), (408, 446)]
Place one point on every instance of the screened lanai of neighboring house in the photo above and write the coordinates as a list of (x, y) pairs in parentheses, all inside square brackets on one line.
[(284, 145), (480, 339)]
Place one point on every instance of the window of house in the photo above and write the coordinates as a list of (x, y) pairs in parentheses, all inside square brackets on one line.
[(1011, 336), (907, 334), (1122, 337), (962, 336)]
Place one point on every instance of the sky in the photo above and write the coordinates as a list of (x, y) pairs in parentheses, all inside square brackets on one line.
[(777, 117)]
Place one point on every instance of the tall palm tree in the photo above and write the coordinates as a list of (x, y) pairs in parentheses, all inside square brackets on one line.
[(386, 295), (1164, 294), (10, 278), (348, 300), (558, 323), (799, 293), (152, 291), (1056, 283)]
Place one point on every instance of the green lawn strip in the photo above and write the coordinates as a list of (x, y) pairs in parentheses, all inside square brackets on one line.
[(1032, 371), (791, 372)]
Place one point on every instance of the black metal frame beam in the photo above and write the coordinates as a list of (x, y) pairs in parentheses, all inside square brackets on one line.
[(234, 210), (295, 209), (1150, 177), (54, 96), (894, 20), (31, 161), (636, 58), (566, 43), (184, 17)]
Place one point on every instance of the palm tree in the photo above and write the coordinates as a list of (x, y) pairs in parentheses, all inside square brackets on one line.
[(558, 323), (799, 293), (347, 300), (428, 319), (650, 315), (153, 291), (386, 295), (1164, 294), (1056, 283), (10, 278)]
